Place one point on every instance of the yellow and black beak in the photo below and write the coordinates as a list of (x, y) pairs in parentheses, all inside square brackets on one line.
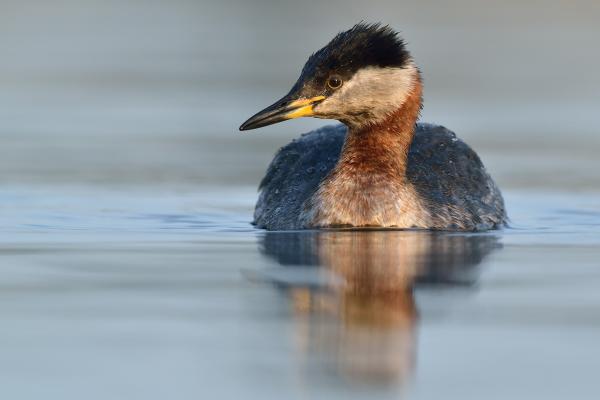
[(282, 110)]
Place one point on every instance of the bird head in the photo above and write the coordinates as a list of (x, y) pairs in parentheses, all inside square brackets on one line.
[(360, 77)]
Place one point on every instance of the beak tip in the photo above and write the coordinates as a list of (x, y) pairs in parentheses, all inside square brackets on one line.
[(282, 110), (245, 126)]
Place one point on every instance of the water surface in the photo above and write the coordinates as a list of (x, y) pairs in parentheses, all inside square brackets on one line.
[(112, 294)]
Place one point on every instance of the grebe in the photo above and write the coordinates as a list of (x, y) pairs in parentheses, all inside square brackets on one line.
[(380, 168)]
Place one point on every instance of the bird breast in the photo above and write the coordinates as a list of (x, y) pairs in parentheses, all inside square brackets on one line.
[(365, 200)]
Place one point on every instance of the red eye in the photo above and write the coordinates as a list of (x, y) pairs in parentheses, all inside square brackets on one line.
[(334, 81)]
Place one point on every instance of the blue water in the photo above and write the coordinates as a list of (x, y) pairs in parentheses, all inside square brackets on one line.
[(114, 293)]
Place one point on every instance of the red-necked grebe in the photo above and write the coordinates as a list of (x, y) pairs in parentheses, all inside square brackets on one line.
[(380, 168)]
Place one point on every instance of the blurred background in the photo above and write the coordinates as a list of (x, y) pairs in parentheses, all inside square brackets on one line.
[(152, 92), (128, 265)]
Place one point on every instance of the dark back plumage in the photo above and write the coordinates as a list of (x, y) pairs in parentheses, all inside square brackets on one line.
[(445, 171)]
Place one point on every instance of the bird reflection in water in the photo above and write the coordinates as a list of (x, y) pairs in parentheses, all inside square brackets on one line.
[(352, 294)]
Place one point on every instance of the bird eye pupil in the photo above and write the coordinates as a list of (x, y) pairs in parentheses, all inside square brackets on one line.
[(334, 82)]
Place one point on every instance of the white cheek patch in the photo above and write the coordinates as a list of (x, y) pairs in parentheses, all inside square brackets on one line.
[(373, 90)]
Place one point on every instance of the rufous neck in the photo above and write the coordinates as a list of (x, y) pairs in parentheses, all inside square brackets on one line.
[(383, 145)]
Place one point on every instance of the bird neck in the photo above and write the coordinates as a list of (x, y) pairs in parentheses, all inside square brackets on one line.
[(381, 147), (368, 185)]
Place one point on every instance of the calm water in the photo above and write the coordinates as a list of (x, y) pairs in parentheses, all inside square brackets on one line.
[(107, 294), (128, 265)]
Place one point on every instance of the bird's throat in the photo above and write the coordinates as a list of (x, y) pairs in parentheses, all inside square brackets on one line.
[(381, 148), (368, 185)]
